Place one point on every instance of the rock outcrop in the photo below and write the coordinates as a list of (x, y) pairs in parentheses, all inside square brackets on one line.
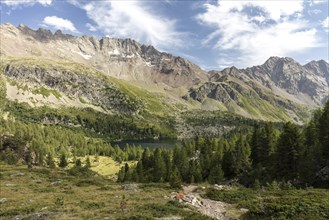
[(280, 89), (95, 88), (123, 58), (279, 82)]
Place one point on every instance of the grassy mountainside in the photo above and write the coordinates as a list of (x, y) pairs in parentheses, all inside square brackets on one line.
[(52, 194), (250, 101), (50, 88), (45, 193), (74, 95)]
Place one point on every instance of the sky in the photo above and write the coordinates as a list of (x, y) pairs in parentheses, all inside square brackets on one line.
[(213, 34)]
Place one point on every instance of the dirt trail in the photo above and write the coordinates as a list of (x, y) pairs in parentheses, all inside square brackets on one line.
[(211, 208)]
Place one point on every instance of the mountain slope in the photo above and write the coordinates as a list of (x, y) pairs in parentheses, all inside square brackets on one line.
[(121, 76), (279, 89), (122, 58)]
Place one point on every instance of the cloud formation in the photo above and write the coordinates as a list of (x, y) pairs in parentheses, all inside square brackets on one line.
[(132, 19), (91, 27), (16, 3), (248, 32), (325, 23), (59, 23)]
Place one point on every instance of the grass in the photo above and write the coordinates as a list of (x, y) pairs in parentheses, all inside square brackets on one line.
[(82, 100), (47, 92), (57, 194), (20, 86), (61, 196), (104, 166), (153, 108), (277, 204)]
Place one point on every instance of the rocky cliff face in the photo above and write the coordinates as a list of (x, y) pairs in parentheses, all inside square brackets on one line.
[(280, 83), (295, 79), (280, 89), (77, 85), (123, 58), (281, 76)]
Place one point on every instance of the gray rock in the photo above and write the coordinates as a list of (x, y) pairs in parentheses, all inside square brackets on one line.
[(76, 84), (192, 200), (169, 218), (3, 200), (17, 174), (35, 216), (58, 182), (130, 187)]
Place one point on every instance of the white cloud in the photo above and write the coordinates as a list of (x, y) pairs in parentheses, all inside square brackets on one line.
[(319, 1), (91, 27), (325, 23), (60, 23), (16, 3), (250, 38), (314, 11), (132, 19)]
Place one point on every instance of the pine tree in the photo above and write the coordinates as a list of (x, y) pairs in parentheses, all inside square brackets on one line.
[(88, 163), (167, 155), (146, 158), (50, 161), (3, 92), (175, 179), (159, 171), (184, 166), (121, 175), (127, 173), (216, 174), (311, 157), (228, 164), (140, 172), (242, 156), (324, 134), (78, 163), (63, 162), (289, 152), (198, 174)]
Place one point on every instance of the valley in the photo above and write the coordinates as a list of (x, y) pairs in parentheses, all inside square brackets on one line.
[(84, 119)]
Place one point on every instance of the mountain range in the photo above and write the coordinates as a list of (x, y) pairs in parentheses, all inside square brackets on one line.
[(122, 76)]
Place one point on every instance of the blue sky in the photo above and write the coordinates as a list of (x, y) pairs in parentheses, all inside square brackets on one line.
[(213, 34)]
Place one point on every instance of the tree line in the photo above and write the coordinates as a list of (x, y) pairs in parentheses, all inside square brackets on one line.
[(264, 154), (22, 140)]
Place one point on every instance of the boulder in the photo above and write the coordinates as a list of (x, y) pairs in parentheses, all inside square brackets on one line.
[(58, 182), (3, 200), (130, 187), (35, 216), (194, 201), (17, 174)]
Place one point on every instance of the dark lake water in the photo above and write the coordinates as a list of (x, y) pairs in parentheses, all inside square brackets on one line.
[(148, 143)]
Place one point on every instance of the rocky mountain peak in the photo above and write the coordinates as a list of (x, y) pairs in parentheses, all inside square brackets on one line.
[(122, 58), (320, 68), (42, 34), (281, 65)]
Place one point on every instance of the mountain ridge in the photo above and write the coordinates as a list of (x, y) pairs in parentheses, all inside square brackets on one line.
[(128, 57), (279, 89)]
